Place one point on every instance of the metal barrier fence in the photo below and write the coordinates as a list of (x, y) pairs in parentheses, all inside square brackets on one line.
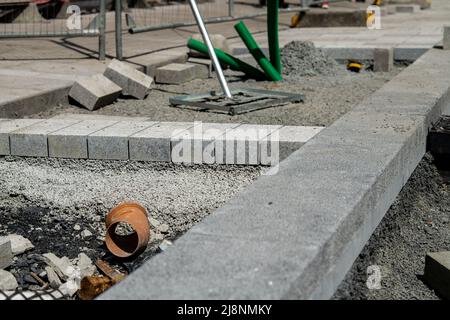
[(53, 18)]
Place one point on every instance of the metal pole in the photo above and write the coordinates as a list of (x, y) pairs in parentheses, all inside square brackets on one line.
[(231, 8), (212, 53), (102, 36), (118, 9)]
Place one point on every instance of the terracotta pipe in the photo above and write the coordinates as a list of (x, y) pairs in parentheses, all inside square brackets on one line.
[(129, 245)]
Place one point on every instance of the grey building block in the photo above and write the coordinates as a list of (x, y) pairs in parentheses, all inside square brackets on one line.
[(112, 142), (409, 54), (133, 82), (437, 272), (242, 145), (91, 116), (71, 142), (203, 69), (176, 73), (154, 143), (6, 256), (383, 59), (295, 234), (197, 144), (281, 143), (446, 40), (32, 141), (8, 126), (95, 92)]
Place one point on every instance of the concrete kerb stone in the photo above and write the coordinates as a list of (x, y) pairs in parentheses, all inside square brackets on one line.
[(8, 126), (154, 143), (321, 208), (383, 59), (133, 82), (112, 142), (71, 142), (31, 141)]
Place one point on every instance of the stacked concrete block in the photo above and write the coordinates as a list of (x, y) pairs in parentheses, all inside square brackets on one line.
[(112, 142), (437, 272), (133, 82), (154, 143), (383, 59), (242, 145), (8, 126), (204, 67), (71, 142), (218, 41), (95, 92), (446, 41), (177, 73), (281, 143), (32, 141)]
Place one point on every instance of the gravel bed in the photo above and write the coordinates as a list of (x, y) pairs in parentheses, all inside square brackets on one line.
[(51, 202), (417, 223), (329, 89)]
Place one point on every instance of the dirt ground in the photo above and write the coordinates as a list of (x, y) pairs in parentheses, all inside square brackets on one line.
[(417, 223), (44, 199), (327, 98)]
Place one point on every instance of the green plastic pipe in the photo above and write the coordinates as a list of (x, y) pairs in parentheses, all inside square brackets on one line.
[(256, 52), (272, 34), (234, 63)]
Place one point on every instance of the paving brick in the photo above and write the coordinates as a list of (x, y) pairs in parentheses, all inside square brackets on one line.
[(176, 73), (242, 145), (383, 59), (8, 126), (437, 272), (446, 41), (95, 92), (133, 82), (32, 141), (91, 116), (112, 142), (199, 141), (154, 143), (71, 142), (204, 67), (281, 143)]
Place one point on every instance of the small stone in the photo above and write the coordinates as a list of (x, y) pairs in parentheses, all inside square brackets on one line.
[(87, 268), (157, 236), (86, 234), (154, 223), (7, 281), (19, 244), (6, 256), (29, 279), (61, 266), (53, 278), (77, 227), (164, 245), (69, 288), (163, 228)]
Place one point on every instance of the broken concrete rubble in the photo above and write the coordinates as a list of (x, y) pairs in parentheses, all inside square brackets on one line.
[(19, 244), (53, 278), (62, 266), (6, 256), (7, 281)]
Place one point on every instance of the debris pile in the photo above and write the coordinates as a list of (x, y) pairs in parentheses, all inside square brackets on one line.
[(28, 274), (302, 59)]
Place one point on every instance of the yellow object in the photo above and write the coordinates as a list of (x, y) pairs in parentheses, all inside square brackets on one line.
[(377, 2), (354, 66), (295, 20)]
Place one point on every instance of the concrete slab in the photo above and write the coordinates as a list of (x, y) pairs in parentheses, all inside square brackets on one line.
[(437, 272), (31, 141), (71, 142), (133, 82), (8, 126), (295, 233), (112, 142), (154, 143)]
